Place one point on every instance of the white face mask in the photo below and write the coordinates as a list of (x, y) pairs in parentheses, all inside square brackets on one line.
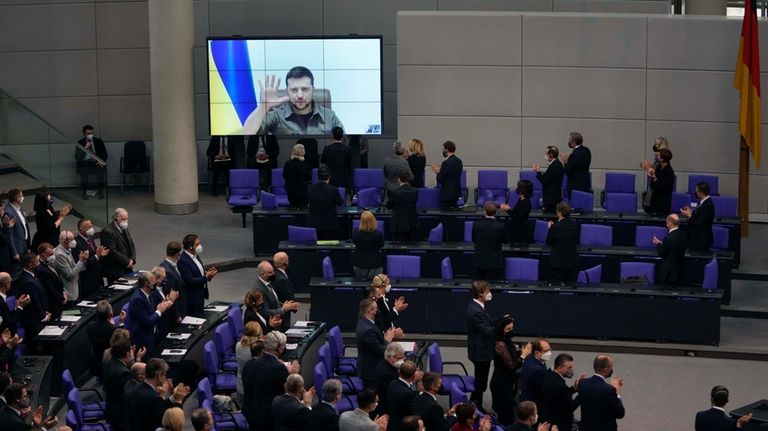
[(124, 225), (388, 288), (488, 297), (89, 137), (199, 249), (536, 418), (90, 232), (72, 244), (21, 200), (546, 355), (399, 363), (50, 259)]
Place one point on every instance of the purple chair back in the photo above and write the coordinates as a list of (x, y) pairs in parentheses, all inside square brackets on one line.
[(513, 197), (644, 235), (268, 201), (592, 275), (635, 269), (368, 198), (520, 268), (622, 203), (428, 198), (343, 194), (10, 301), (582, 201), (243, 182), (321, 376), (324, 357), (720, 238), (204, 391), (596, 234), (328, 272), (223, 340), (72, 420), (468, 225), (619, 182), (335, 343), (301, 234), (314, 175), (128, 324), (725, 206), (446, 269), (540, 231), (278, 182), (456, 395), (210, 360), (436, 234), (710, 275), (712, 180), (67, 382), (75, 406), (680, 200), (380, 225), (494, 181), (364, 178), (235, 321), (530, 176), (399, 266), (435, 358)]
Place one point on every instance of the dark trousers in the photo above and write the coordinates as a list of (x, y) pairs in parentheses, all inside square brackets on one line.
[(551, 209), (327, 234), (482, 369), (449, 205), (217, 169), (86, 169), (490, 274), (403, 236), (297, 201), (563, 275)]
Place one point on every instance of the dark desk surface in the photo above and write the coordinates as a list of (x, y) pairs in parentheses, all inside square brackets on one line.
[(212, 319), (35, 373), (306, 348)]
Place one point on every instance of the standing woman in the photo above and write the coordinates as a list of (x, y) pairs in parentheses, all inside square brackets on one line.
[(518, 216), (249, 347), (417, 160), (298, 174), (508, 357), (47, 220), (661, 182), (366, 259)]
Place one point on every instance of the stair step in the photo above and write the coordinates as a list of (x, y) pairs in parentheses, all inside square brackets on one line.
[(19, 180)]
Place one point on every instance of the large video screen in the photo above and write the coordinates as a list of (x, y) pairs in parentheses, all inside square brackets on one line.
[(296, 86)]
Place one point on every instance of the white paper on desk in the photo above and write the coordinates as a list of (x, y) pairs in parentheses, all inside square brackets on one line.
[(301, 324), (291, 346), (297, 331), (121, 287), (52, 331), (89, 304), (216, 308), (172, 352), (69, 318), (189, 320), (179, 336), (408, 346)]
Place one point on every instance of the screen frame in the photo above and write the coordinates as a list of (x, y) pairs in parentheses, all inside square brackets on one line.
[(379, 37)]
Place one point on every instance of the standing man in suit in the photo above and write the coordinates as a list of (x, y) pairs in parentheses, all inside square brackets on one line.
[(122, 252), (386, 372), (10, 318), (66, 266), (194, 275), (563, 237), (143, 315), (291, 410), (600, 398), (700, 220), (338, 158), (54, 287), (359, 419), (489, 234), (17, 411), (527, 416), (425, 405), (716, 418), (36, 313), (90, 278), (400, 394), (672, 252), (219, 152), (117, 372), (324, 416), (402, 201), (394, 166), (551, 180), (173, 280), (371, 342), (577, 164), (480, 337), (86, 165), (323, 199), (449, 177), (151, 398), (282, 283), (557, 402), (272, 305), (160, 294), (534, 368), (17, 222)]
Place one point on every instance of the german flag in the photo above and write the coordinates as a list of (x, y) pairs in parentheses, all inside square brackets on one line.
[(747, 81)]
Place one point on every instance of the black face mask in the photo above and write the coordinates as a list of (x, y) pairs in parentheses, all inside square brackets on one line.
[(609, 374), (271, 278)]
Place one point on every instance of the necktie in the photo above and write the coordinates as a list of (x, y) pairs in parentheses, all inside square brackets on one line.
[(91, 244), (272, 291)]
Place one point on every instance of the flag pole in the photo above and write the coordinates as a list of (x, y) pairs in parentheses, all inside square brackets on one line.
[(744, 187)]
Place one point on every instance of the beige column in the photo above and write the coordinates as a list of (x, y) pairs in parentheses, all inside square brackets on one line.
[(171, 38), (704, 7)]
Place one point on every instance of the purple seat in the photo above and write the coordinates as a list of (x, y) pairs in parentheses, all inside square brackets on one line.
[(436, 234), (349, 384), (725, 206), (468, 225), (346, 403), (464, 383), (619, 182), (328, 272), (235, 321), (79, 416), (268, 201), (591, 275), (399, 266), (343, 194), (301, 234), (456, 396), (127, 324), (596, 234), (313, 176), (531, 176), (710, 275), (720, 238), (243, 188), (234, 421), (493, 182), (428, 198), (540, 231), (346, 365), (92, 411), (644, 235), (277, 188), (10, 301), (638, 269), (680, 200), (364, 178), (622, 203), (446, 269), (582, 201), (225, 347), (220, 381), (712, 180), (368, 198), (380, 225), (520, 268)]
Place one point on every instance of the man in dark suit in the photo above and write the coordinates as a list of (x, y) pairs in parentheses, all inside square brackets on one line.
[(100, 331), (489, 234), (323, 199), (116, 373), (87, 165), (394, 166), (716, 418), (10, 318), (220, 161), (527, 416), (90, 278), (425, 405), (402, 201), (386, 371), (151, 398), (700, 220), (17, 225), (672, 252), (173, 280), (338, 158), (534, 368), (600, 398), (551, 180), (36, 313), (202, 419), (122, 252), (159, 294), (272, 305), (400, 394), (143, 315), (479, 337), (577, 164), (291, 410), (282, 284), (324, 416), (15, 413), (5, 383), (389, 311), (194, 275), (449, 177), (563, 237), (557, 404), (262, 154), (371, 342), (49, 278)]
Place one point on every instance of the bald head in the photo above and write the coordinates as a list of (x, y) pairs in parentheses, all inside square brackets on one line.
[(280, 259), (138, 371), (265, 270), (603, 365), (5, 282), (673, 220)]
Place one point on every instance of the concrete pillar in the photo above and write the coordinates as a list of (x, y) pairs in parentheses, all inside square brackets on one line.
[(171, 38), (705, 7)]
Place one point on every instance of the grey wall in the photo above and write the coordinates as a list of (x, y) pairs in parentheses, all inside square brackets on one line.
[(505, 85)]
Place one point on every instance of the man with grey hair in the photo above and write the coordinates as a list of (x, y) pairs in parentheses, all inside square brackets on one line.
[(386, 372), (291, 410), (122, 252), (324, 416), (394, 165), (65, 265), (201, 419), (9, 319), (672, 252), (272, 304), (577, 164), (150, 399)]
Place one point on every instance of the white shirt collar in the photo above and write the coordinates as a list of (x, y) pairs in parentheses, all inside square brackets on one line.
[(479, 302), (404, 381), (434, 397), (605, 379), (4, 296), (29, 272), (281, 270), (674, 229), (704, 199), (721, 409), (171, 262)]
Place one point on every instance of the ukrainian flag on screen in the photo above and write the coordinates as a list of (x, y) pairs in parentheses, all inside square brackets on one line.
[(232, 94)]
